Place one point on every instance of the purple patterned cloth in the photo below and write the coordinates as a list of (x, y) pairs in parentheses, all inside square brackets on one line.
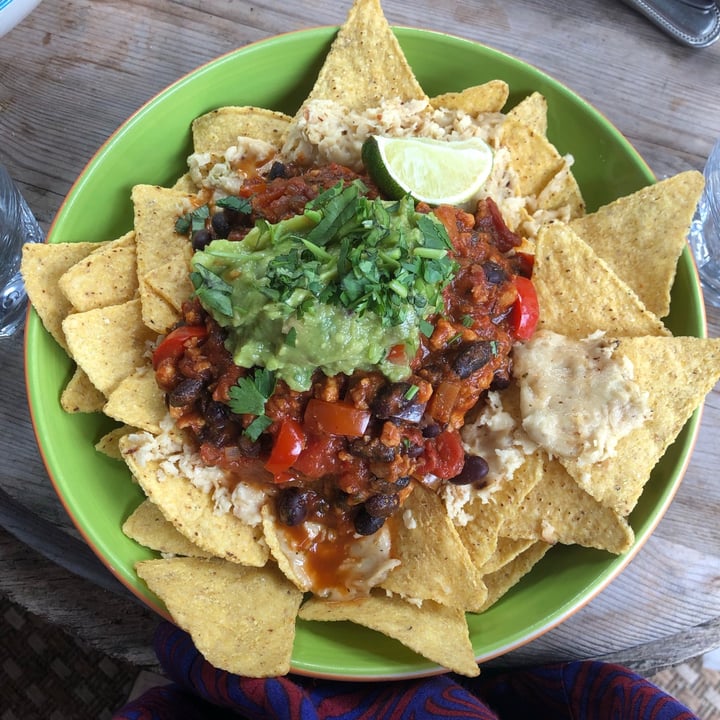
[(563, 691)]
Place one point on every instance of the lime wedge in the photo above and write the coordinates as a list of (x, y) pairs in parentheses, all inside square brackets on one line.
[(434, 171)]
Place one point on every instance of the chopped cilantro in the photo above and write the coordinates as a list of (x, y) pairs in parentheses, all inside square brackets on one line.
[(248, 397), (213, 292), (238, 204), (366, 256), (192, 221), (250, 393)]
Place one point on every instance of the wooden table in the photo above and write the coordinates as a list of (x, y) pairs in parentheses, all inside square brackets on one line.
[(73, 71)]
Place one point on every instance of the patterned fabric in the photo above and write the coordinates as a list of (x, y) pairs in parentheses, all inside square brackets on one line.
[(563, 691)]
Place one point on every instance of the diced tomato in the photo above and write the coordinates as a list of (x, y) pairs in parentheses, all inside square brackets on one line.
[(526, 310), (320, 456), (174, 343), (397, 354), (289, 443), (444, 455), (334, 418)]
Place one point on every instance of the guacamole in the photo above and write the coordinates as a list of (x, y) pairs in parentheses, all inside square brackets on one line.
[(335, 288)]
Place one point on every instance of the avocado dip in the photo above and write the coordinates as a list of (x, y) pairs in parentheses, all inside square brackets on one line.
[(336, 287)]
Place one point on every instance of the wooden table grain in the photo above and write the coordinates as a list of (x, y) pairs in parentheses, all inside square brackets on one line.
[(73, 71)]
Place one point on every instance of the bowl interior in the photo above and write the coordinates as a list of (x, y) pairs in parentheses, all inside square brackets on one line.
[(151, 147)]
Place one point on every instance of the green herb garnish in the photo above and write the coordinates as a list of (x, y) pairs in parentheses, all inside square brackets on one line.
[(248, 397), (238, 204), (212, 291)]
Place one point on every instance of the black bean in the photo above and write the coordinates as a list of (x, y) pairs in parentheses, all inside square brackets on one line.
[(432, 430), (365, 523), (185, 392), (474, 471), (493, 272), (402, 482), (382, 505), (412, 450), (291, 506), (371, 449), (201, 239), (396, 401), (221, 224), (472, 357), (277, 170), (216, 412), (500, 381)]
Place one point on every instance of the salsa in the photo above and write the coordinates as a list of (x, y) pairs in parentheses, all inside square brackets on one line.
[(345, 451)]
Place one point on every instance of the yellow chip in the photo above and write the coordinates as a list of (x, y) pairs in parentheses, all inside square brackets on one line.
[(480, 537), (437, 632), (677, 373), (185, 184), (434, 564), (579, 293), (138, 401), (241, 619), (365, 64), (558, 510), (532, 112), (156, 210), (510, 574), (107, 276), (41, 267), (109, 444), (641, 235), (171, 281), (219, 129), (490, 97), (80, 395), (280, 552), (91, 334), (562, 196), (533, 157), (507, 549), (191, 511), (148, 526)]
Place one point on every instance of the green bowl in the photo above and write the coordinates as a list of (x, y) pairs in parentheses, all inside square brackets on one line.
[(151, 147)]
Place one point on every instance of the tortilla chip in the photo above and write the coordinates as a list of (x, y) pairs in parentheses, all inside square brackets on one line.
[(507, 549), (562, 195), (80, 395), (434, 564), (532, 112), (109, 444), (107, 276), (138, 401), (192, 512), (90, 334), (241, 619), (219, 129), (641, 235), (579, 293), (272, 534), (559, 510), (490, 97), (171, 282), (677, 373), (365, 64), (509, 575), (480, 536), (158, 245), (41, 267), (148, 526), (532, 156), (185, 184), (437, 632)]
